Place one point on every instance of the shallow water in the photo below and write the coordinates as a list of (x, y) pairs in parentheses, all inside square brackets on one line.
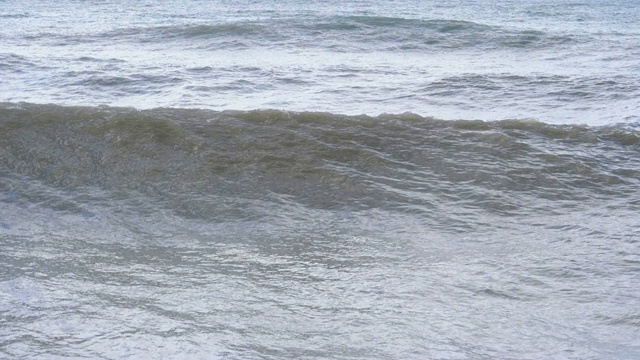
[(267, 234), (495, 215)]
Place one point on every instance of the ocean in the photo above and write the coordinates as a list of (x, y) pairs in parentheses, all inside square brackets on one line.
[(320, 179)]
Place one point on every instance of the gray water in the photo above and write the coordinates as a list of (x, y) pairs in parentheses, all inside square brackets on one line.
[(205, 183), (551, 60)]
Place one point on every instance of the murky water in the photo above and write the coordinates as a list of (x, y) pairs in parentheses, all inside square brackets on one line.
[(238, 232)]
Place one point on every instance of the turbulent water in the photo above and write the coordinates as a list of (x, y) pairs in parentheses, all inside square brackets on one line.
[(552, 60), (320, 180)]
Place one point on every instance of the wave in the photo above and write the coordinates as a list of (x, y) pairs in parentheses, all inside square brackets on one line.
[(396, 33), (187, 159), (342, 33)]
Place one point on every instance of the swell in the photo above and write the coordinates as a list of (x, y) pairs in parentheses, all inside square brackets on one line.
[(205, 164), (341, 33)]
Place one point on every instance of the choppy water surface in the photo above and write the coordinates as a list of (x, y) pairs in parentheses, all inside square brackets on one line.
[(555, 61), (496, 215), (267, 234)]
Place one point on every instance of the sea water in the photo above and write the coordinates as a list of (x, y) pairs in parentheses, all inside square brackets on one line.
[(326, 180)]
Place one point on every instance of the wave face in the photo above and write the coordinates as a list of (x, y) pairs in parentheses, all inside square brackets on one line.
[(183, 230), (400, 163), (555, 61)]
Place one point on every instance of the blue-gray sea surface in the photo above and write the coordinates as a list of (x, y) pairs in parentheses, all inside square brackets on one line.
[(320, 180)]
